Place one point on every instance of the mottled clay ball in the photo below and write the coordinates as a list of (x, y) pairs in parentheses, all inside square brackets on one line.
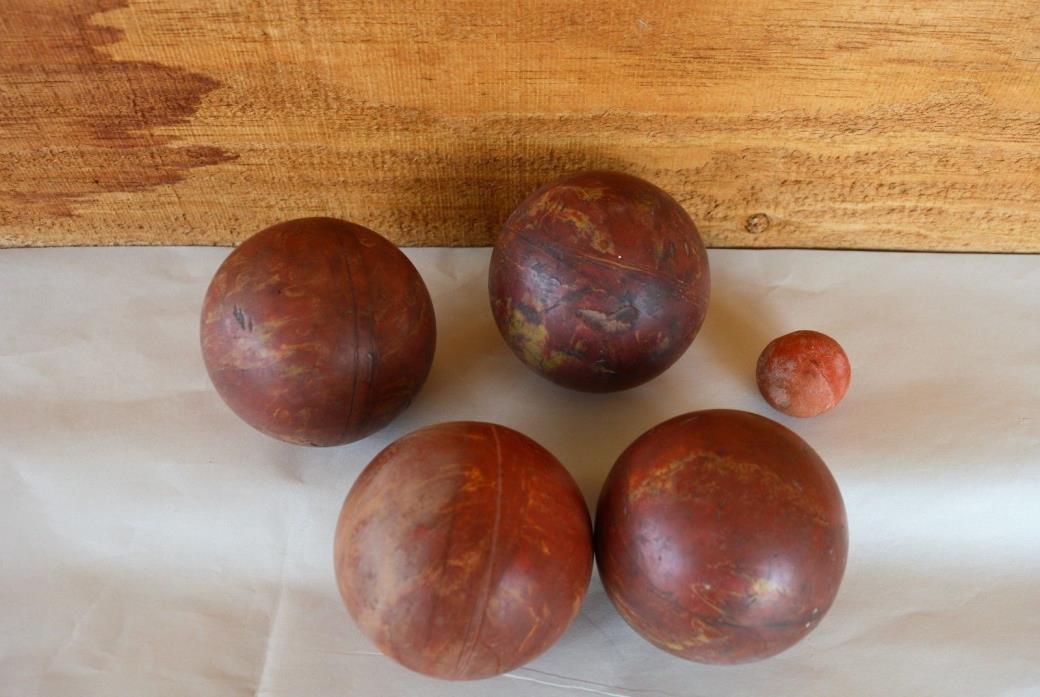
[(721, 537), (599, 281), (463, 550), (317, 331), (803, 373)]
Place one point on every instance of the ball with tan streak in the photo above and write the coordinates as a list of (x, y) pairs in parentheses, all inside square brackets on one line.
[(599, 281), (721, 536), (463, 550)]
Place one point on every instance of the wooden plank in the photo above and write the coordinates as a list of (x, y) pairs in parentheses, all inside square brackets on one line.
[(840, 123)]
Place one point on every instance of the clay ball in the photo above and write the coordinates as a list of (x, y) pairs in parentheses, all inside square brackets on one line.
[(804, 373)]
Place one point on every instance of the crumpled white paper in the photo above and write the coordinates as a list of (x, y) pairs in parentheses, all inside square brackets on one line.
[(153, 544)]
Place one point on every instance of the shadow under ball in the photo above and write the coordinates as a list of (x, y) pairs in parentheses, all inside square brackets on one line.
[(599, 281), (721, 536), (317, 331), (463, 550)]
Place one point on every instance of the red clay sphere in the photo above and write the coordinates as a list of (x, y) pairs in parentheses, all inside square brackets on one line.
[(803, 373), (599, 281), (463, 550), (317, 331), (721, 536)]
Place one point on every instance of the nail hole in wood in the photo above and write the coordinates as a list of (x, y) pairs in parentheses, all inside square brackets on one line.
[(757, 223)]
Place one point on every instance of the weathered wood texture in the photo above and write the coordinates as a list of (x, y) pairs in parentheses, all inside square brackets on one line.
[(819, 123)]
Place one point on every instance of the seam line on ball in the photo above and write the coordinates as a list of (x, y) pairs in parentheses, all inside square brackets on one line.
[(357, 331), (481, 609)]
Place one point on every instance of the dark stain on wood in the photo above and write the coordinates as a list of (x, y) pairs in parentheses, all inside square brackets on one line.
[(74, 122)]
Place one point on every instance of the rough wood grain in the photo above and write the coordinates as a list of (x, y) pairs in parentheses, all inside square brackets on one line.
[(840, 123)]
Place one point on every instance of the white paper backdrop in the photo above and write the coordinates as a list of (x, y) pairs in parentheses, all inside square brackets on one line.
[(153, 544)]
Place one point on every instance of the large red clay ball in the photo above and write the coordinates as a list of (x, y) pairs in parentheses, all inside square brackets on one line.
[(721, 536), (463, 550), (803, 373), (317, 331), (599, 281)]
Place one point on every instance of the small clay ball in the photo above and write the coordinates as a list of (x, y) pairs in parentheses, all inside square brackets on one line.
[(599, 281), (463, 550), (803, 373), (317, 331), (721, 536)]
